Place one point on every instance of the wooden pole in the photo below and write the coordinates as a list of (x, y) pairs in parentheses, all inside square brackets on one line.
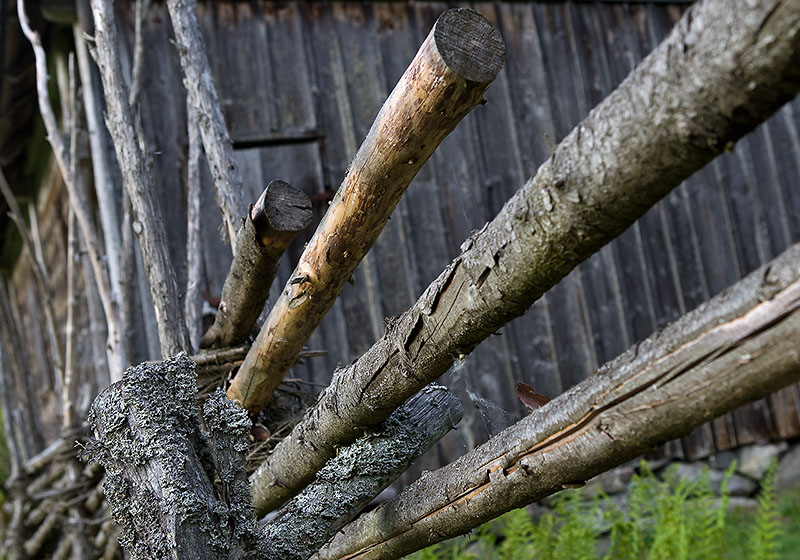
[(280, 213), (454, 66), (632, 149)]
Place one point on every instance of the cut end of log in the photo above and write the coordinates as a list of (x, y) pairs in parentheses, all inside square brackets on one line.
[(281, 208), (469, 44)]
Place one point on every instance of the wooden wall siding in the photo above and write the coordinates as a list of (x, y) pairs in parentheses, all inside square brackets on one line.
[(301, 83)]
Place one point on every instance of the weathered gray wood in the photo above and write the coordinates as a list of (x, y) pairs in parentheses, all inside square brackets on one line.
[(446, 80), (641, 148), (149, 443), (136, 166), (199, 84), (194, 247), (360, 472), (280, 213), (730, 351)]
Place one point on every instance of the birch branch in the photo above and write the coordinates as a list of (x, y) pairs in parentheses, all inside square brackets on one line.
[(280, 213), (137, 176), (455, 65), (194, 249), (735, 349), (636, 145), (75, 196), (199, 83)]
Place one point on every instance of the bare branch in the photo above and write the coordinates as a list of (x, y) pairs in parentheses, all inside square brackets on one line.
[(138, 179), (199, 83), (75, 196), (359, 473), (194, 250)]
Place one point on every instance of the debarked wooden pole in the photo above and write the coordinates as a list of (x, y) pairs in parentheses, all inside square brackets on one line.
[(458, 60)]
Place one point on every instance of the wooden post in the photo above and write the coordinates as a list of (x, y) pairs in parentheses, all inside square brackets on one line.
[(454, 66), (280, 213)]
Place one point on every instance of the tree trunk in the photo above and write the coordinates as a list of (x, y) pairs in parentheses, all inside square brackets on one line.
[(735, 349), (682, 106), (446, 80), (159, 484), (280, 213)]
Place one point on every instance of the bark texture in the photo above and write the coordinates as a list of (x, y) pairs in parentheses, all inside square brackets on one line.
[(280, 213), (137, 177), (360, 472), (735, 349), (452, 69), (682, 106), (199, 83), (158, 480)]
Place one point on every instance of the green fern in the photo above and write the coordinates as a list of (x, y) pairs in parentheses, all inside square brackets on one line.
[(767, 529)]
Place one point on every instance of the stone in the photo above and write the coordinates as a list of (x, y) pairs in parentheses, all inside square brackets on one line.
[(754, 459), (722, 459), (788, 475), (738, 485)]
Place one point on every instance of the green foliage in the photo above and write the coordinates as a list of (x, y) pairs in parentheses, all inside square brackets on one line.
[(667, 518), (767, 529)]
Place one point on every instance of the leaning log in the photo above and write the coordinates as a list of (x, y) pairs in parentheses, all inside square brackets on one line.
[(733, 350), (349, 481), (280, 213), (446, 80), (681, 107)]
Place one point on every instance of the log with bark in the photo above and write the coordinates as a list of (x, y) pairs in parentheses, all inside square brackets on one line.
[(280, 213), (448, 77), (160, 469), (682, 106), (733, 350)]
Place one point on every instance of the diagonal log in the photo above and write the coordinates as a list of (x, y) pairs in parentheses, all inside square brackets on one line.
[(280, 213), (202, 95), (735, 349), (446, 80), (137, 177), (681, 107), (359, 473)]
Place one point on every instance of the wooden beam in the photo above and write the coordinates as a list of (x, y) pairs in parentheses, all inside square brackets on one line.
[(454, 66)]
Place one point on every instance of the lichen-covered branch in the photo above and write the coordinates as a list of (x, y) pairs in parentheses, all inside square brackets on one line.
[(199, 83), (360, 472), (455, 65), (280, 213), (682, 106), (735, 349), (157, 483)]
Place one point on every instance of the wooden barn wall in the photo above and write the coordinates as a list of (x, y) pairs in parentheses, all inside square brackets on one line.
[(300, 84)]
